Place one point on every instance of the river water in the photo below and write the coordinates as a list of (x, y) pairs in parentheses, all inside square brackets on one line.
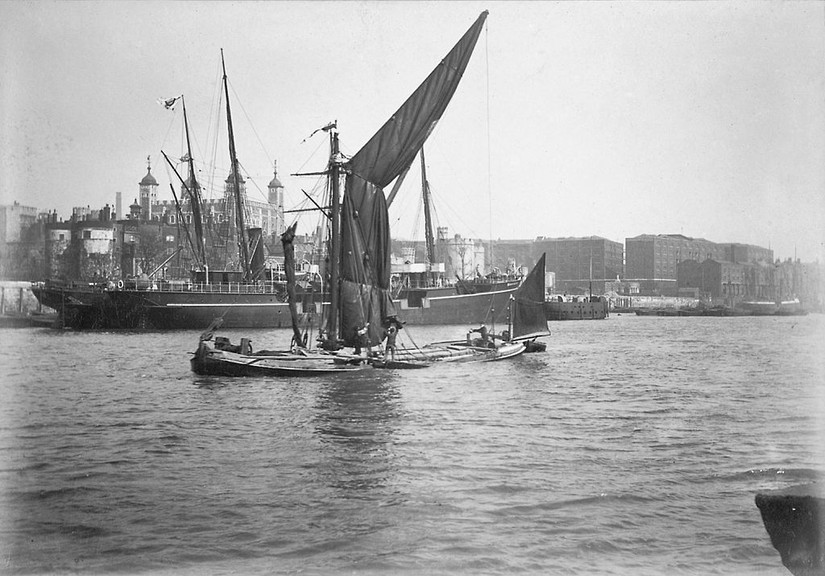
[(634, 445)]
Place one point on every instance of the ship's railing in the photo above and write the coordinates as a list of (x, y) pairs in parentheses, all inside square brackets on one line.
[(222, 288)]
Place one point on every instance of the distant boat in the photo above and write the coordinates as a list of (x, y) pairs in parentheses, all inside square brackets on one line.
[(361, 312), (768, 308), (244, 297)]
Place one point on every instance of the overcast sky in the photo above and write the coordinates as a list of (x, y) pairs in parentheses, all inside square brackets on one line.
[(574, 119)]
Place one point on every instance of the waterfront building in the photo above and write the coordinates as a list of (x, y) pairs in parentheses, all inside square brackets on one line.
[(95, 242), (652, 260), (511, 256), (142, 248), (219, 214), (581, 264), (729, 283), (714, 281), (14, 219), (462, 257), (794, 279), (759, 280), (83, 248), (735, 252), (58, 238), (811, 291), (20, 255)]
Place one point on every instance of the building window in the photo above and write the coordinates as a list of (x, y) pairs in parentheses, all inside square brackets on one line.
[(61, 237), (87, 234)]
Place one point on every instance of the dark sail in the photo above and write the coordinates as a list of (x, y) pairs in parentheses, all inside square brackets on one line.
[(365, 235), (257, 258), (395, 145), (527, 309)]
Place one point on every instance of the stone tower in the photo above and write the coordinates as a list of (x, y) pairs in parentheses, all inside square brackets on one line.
[(148, 192), (276, 201)]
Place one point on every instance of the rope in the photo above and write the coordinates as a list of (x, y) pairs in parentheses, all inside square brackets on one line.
[(489, 154), (248, 119), (409, 335)]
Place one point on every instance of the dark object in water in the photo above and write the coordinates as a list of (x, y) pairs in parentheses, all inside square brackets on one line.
[(795, 520), (535, 346)]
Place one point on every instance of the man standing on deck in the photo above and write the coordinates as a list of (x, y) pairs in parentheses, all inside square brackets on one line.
[(393, 326)]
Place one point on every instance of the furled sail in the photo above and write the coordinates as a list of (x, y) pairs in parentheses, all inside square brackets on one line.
[(257, 258), (527, 309), (365, 236), (287, 239)]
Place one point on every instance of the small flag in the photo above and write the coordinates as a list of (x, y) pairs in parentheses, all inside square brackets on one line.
[(169, 103), (327, 128)]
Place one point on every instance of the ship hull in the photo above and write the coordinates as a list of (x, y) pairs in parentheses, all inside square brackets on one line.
[(182, 309), (209, 361), (177, 310), (79, 307)]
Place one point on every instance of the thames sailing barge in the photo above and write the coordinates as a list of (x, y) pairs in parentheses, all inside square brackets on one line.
[(361, 312)]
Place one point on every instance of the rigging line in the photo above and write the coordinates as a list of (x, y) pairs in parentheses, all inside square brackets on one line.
[(216, 120), (416, 223), (489, 154), (254, 181), (321, 142), (172, 120), (455, 217), (435, 215), (248, 119), (212, 130), (409, 335)]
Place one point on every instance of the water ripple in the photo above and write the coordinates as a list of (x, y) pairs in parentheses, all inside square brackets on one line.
[(634, 446)]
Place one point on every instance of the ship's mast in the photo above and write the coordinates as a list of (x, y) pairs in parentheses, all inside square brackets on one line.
[(335, 240), (242, 236), (196, 252), (194, 190), (428, 223)]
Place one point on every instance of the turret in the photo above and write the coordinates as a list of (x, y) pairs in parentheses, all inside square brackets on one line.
[(276, 189), (276, 201), (135, 210), (148, 191)]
